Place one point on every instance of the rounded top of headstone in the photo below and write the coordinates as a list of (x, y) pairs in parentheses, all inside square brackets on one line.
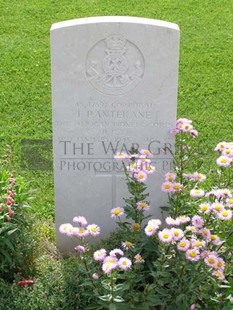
[(115, 19)]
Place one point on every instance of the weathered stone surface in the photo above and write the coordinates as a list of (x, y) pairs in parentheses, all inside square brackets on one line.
[(114, 84)]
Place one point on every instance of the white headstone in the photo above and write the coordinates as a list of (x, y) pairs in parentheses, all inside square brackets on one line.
[(114, 84)]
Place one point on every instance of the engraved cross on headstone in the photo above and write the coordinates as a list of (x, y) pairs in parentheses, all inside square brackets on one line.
[(113, 175)]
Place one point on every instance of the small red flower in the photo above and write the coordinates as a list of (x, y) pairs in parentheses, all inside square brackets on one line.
[(26, 282), (11, 212)]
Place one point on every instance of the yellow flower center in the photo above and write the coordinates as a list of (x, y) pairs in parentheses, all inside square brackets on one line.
[(211, 260), (143, 205), (192, 253), (117, 211), (136, 226), (219, 264), (198, 243), (224, 213), (203, 208), (182, 244), (213, 237), (217, 207), (165, 236)]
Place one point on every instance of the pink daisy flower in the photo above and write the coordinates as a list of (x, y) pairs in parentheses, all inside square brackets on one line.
[(80, 249), (72, 231), (124, 263), (220, 146), (205, 208), (155, 222), (172, 222), (133, 167), (197, 221), (211, 260), (100, 255), (167, 187), (228, 153), (186, 127), (170, 176), (165, 235), (150, 230), (117, 212), (193, 229), (140, 176), (177, 233), (80, 232), (143, 206), (194, 133), (196, 243), (217, 207), (108, 267), (197, 193), (205, 232), (215, 239), (116, 252), (226, 192), (177, 187), (225, 215), (81, 220), (229, 202), (192, 255), (95, 276), (199, 177), (127, 245), (183, 245), (93, 230), (183, 219), (220, 264), (224, 161), (188, 176), (110, 259), (138, 259), (64, 228), (146, 153), (219, 274), (121, 155), (149, 169)]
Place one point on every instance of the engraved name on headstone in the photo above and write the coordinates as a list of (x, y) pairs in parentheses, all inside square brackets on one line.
[(114, 86)]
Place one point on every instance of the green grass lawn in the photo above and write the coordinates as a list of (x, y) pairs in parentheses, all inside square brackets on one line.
[(205, 76), (205, 96)]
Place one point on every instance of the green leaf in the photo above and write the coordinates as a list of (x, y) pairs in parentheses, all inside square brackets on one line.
[(165, 208), (118, 299), (118, 287), (6, 256), (105, 297), (112, 307)]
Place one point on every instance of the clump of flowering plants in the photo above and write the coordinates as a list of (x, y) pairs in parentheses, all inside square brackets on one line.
[(183, 261), (13, 224)]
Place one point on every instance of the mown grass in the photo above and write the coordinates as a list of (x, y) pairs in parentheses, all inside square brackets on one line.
[(205, 96), (205, 76)]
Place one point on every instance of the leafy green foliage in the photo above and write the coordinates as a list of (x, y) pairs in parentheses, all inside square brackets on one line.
[(15, 252)]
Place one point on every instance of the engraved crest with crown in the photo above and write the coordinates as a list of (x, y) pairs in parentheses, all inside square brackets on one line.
[(116, 73), (115, 64)]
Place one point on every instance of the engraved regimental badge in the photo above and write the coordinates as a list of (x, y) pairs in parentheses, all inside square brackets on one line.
[(114, 65)]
